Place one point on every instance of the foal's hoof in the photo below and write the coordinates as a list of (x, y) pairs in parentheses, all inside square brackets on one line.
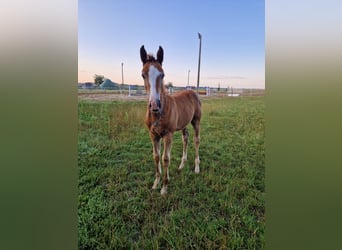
[(197, 170), (163, 191)]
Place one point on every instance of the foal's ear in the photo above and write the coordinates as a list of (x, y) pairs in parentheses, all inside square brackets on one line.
[(143, 54), (160, 55)]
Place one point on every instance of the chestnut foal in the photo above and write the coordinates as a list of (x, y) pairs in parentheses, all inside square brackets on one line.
[(167, 114)]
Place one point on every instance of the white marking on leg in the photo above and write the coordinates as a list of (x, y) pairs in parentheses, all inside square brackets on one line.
[(197, 162), (197, 159), (156, 181), (185, 148), (184, 159), (163, 191)]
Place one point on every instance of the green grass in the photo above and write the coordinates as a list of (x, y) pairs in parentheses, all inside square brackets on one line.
[(223, 207)]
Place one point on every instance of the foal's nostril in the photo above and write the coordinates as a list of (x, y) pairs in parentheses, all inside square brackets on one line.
[(155, 106)]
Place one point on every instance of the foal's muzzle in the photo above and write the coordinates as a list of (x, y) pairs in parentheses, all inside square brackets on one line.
[(155, 106)]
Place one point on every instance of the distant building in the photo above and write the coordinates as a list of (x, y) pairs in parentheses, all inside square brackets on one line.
[(88, 85), (108, 84)]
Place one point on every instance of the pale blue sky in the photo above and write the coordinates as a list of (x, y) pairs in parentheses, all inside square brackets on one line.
[(233, 40)]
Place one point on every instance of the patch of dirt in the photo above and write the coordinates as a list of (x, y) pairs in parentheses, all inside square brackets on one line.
[(108, 97)]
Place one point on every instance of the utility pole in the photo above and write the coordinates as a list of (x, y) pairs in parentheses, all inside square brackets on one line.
[(188, 76), (199, 60), (122, 76)]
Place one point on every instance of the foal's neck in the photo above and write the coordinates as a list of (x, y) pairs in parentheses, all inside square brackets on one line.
[(164, 94)]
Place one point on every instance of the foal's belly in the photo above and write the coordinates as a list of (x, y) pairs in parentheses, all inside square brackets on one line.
[(182, 124)]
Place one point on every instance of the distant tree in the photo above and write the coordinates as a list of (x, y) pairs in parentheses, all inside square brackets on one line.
[(169, 85), (219, 87), (98, 79)]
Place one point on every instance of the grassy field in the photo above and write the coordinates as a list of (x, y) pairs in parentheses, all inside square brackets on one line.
[(221, 208)]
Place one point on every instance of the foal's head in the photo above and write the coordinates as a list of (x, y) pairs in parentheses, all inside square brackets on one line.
[(153, 75)]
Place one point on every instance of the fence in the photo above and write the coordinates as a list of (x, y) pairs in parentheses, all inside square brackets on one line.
[(134, 90)]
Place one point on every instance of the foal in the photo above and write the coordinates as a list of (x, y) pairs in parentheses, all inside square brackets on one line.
[(167, 114)]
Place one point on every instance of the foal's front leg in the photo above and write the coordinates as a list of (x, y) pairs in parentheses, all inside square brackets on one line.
[(156, 156), (166, 161)]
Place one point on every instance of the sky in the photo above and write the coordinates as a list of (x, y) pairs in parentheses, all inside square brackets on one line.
[(111, 32)]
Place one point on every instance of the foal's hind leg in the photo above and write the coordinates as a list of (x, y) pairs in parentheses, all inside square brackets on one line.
[(185, 138), (196, 125), (156, 156)]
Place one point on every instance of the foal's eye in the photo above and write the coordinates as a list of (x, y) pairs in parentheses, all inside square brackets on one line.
[(143, 76)]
